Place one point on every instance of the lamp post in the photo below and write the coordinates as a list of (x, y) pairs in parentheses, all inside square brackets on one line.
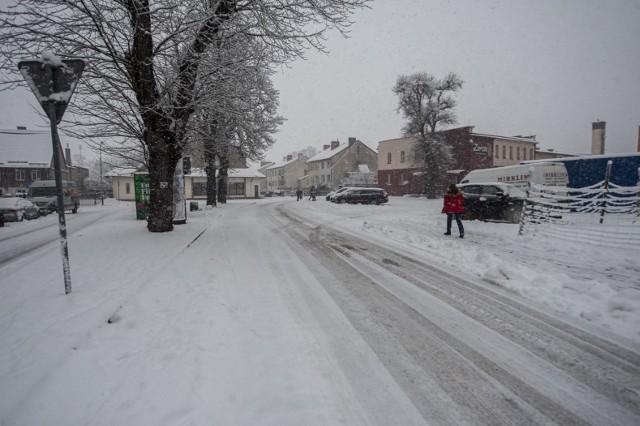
[(101, 179)]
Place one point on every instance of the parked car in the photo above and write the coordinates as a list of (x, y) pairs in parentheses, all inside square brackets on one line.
[(31, 211), (492, 201), (362, 195), (14, 208), (333, 193)]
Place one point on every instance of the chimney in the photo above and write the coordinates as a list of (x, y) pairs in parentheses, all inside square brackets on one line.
[(351, 142), (289, 157), (67, 155), (597, 137), (335, 144), (325, 147)]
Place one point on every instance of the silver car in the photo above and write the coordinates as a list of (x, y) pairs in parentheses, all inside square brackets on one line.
[(14, 209)]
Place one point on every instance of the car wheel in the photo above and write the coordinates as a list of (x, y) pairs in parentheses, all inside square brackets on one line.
[(340, 201), (20, 217)]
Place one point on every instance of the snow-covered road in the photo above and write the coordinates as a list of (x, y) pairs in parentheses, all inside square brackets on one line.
[(259, 313)]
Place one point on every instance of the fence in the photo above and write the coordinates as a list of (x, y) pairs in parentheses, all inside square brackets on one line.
[(605, 214)]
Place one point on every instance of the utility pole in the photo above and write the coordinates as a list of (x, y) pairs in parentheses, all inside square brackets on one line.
[(101, 179)]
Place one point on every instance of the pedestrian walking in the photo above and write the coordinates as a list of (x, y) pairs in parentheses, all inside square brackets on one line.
[(454, 207), (298, 194), (313, 193)]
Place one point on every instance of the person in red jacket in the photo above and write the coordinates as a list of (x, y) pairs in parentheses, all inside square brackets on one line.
[(454, 207)]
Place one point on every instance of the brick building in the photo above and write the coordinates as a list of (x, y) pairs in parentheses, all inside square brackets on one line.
[(397, 172), (27, 156)]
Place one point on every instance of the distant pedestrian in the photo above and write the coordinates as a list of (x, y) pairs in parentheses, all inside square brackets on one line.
[(313, 193), (298, 194), (454, 207)]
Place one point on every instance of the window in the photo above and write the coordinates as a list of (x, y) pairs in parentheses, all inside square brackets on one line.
[(402, 156), (389, 178), (490, 190), (19, 174), (35, 175), (504, 151), (518, 153), (127, 188), (472, 189), (199, 189), (510, 153), (497, 149), (531, 154), (524, 153), (389, 158), (236, 188)]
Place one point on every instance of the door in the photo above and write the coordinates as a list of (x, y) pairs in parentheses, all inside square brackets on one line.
[(493, 204), (256, 191)]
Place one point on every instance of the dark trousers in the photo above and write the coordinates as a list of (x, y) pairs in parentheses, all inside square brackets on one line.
[(458, 217)]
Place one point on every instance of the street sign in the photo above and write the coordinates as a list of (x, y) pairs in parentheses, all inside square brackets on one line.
[(52, 80)]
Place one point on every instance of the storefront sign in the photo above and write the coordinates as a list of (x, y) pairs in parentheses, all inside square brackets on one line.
[(142, 193), (480, 150)]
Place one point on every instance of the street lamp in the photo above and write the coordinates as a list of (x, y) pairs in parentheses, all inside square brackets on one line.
[(101, 179)]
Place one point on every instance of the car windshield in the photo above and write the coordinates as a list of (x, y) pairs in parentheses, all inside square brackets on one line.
[(43, 191)]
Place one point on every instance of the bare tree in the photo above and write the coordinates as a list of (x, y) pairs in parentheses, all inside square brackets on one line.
[(427, 104), (143, 61), (241, 116), (309, 151)]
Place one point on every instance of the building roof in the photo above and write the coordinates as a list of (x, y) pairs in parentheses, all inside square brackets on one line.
[(281, 164), (510, 138), (25, 148), (245, 173), (121, 172), (195, 172), (328, 153)]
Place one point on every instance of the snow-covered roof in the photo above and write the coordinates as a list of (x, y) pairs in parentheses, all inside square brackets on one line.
[(245, 173), (328, 153), (121, 172), (281, 164), (510, 138), (25, 148)]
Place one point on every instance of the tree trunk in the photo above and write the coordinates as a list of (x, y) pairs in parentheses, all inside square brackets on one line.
[(210, 168), (162, 166), (222, 184), (211, 185)]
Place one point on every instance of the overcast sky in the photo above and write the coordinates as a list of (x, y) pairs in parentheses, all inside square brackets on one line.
[(546, 67)]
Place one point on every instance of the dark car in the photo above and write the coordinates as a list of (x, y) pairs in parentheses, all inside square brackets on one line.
[(492, 201), (31, 211), (362, 196)]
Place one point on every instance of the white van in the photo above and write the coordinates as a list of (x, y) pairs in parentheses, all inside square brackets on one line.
[(43, 194), (547, 174)]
